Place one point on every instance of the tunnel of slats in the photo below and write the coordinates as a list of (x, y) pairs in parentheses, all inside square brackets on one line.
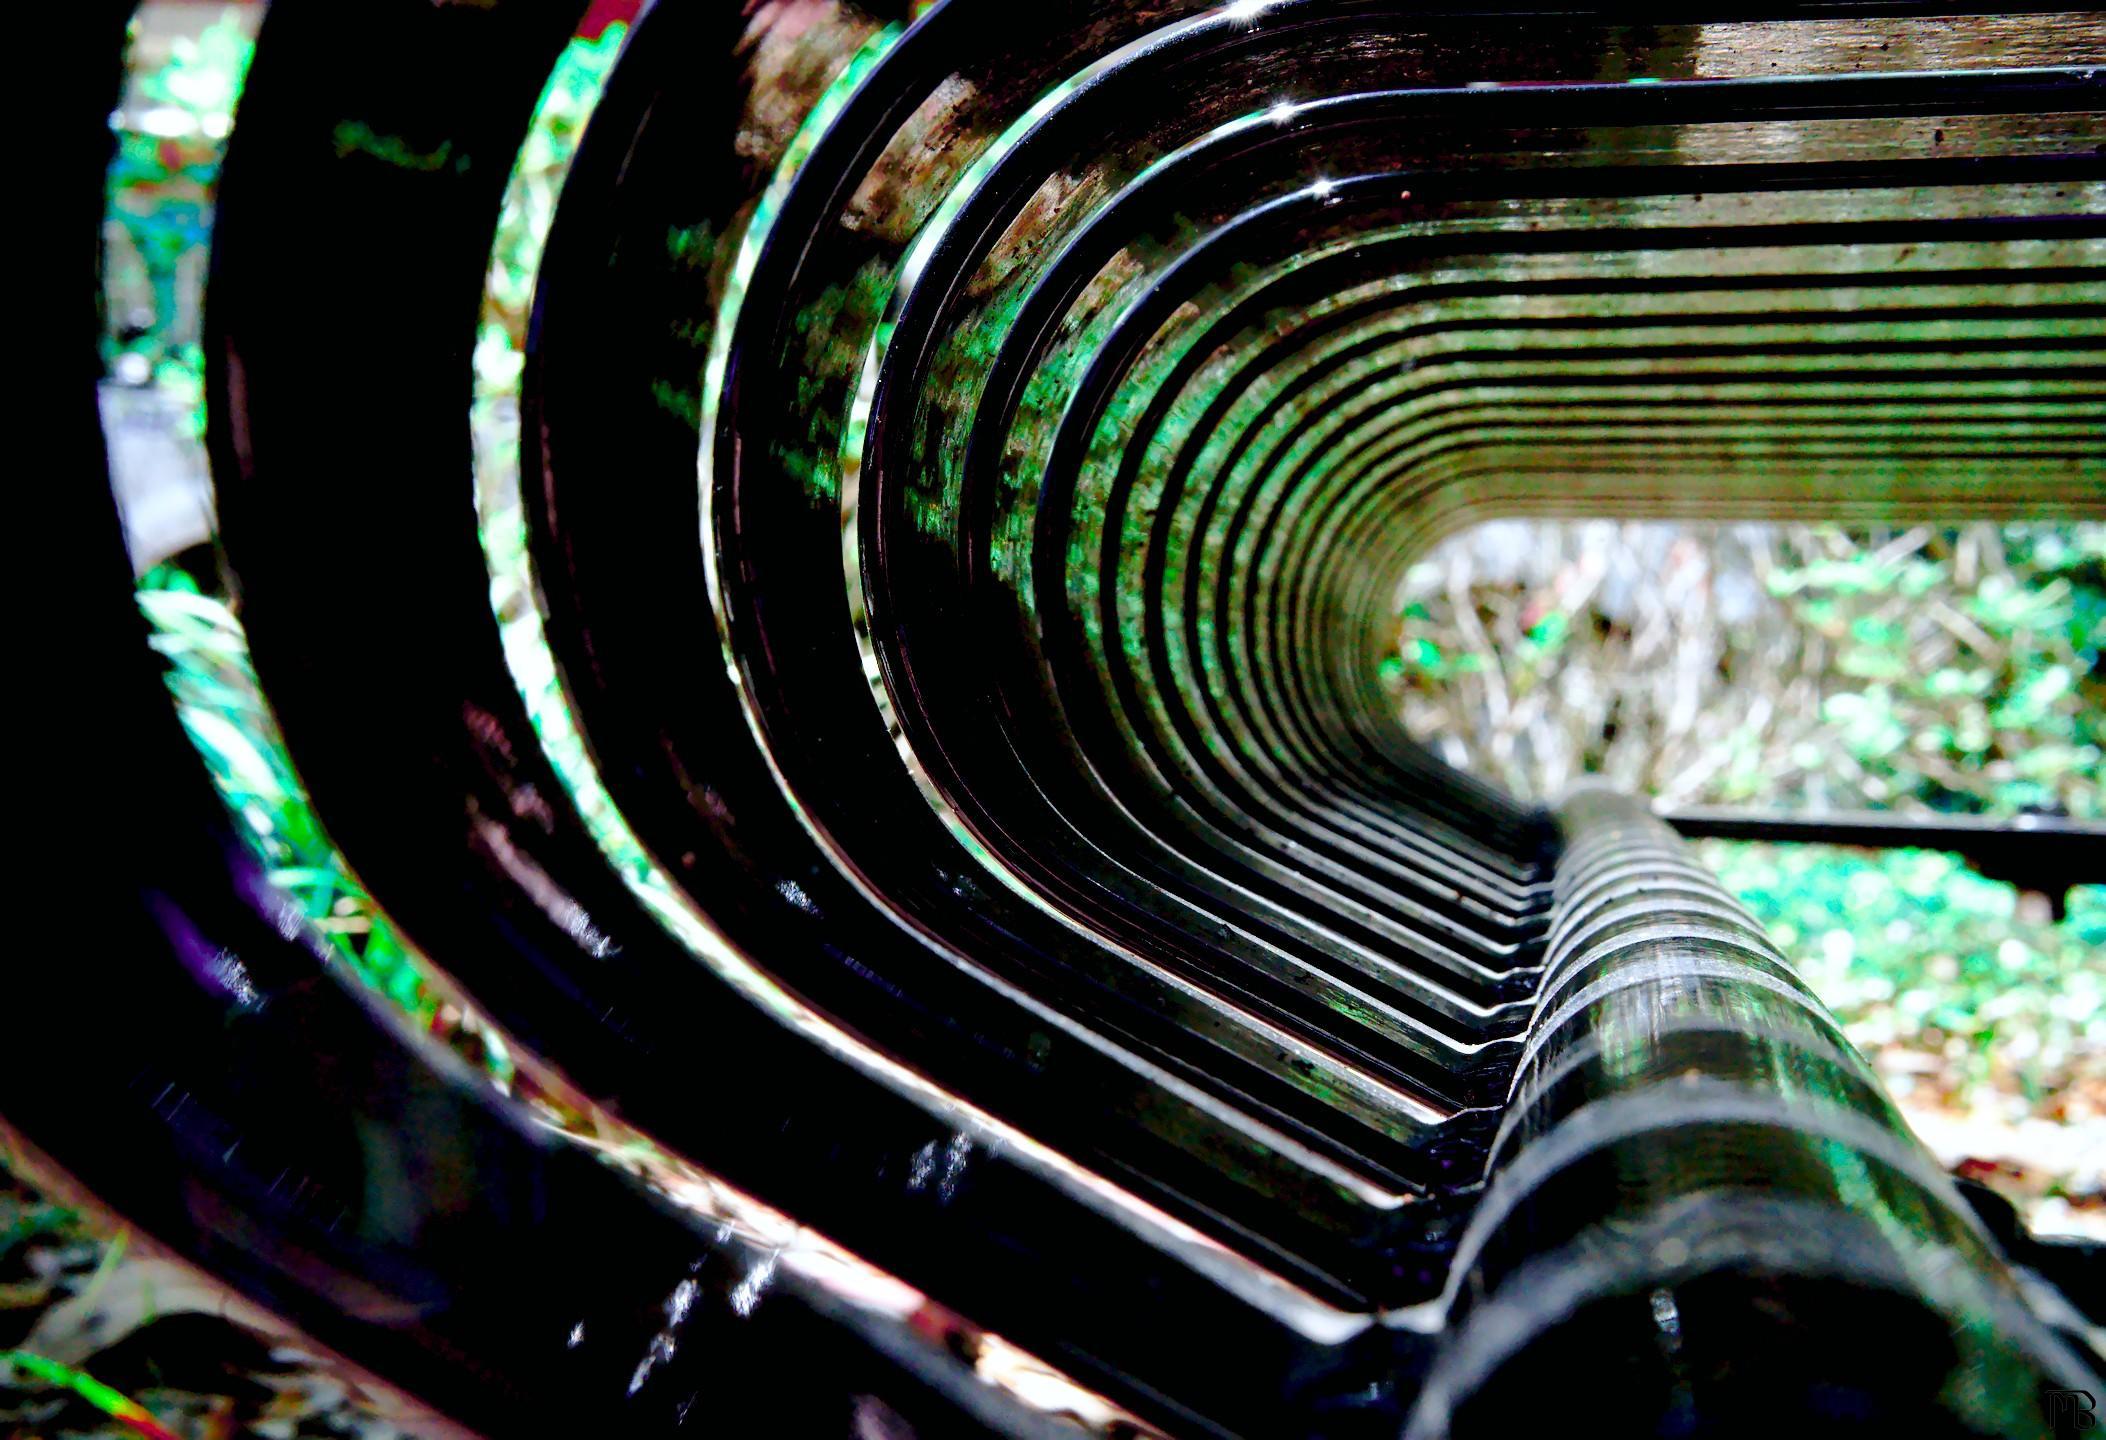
[(970, 454)]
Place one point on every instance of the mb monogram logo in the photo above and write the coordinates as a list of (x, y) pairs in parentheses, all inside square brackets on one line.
[(2070, 1412)]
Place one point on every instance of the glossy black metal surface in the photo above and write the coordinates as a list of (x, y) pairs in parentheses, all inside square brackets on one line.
[(242, 1101), (1699, 1184), (966, 457)]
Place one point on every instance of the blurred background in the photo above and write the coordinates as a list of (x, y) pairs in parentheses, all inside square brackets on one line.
[(1786, 667)]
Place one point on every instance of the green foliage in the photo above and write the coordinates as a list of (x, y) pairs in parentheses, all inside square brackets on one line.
[(159, 221), (530, 202), (1951, 670), (24, 1218), (1916, 952), (230, 724), (1977, 698)]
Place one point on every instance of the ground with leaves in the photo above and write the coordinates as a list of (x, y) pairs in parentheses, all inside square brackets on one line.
[(98, 1341)]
